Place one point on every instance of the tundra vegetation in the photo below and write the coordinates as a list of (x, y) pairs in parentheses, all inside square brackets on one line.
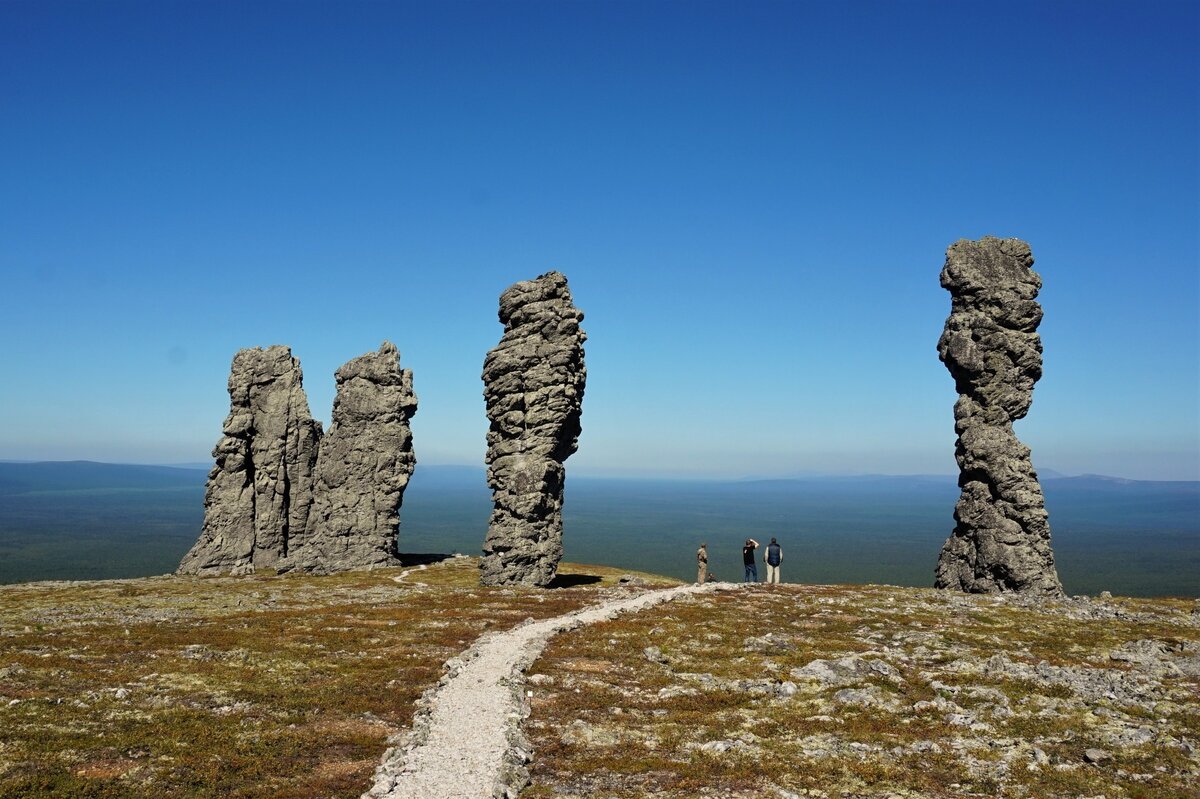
[(868, 691), (248, 687), (289, 686)]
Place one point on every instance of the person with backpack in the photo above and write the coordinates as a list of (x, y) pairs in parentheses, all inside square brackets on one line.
[(748, 560), (773, 557)]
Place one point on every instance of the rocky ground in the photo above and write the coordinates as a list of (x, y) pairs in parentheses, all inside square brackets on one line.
[(293, 686), (851, 691)]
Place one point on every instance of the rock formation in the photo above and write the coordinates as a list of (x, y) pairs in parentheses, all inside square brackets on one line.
[(533, 386), (260, 489), (364, 464), (990, 345)]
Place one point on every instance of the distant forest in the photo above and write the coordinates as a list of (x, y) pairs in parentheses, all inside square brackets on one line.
[(81, 520)]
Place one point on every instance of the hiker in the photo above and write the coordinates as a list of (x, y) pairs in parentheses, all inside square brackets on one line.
[(773, 557), (702, 564), (748, 559)]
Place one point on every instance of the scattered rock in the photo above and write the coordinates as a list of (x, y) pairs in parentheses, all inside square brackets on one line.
[(533, 385), (846, 671), (871, 696), (990, 345), (654, 654), (769, 643), (1096, 756)]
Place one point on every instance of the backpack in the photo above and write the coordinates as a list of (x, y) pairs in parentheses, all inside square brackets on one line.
[(774, 554)]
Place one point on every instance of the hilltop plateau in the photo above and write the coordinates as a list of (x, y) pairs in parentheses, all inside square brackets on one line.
[(294, 686)]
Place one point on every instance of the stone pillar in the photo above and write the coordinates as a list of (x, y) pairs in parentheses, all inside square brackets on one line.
[(990, 345), (365, 463), (260, 490), (533, 387)]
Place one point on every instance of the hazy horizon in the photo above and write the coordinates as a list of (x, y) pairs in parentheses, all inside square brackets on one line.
[(633, 474)]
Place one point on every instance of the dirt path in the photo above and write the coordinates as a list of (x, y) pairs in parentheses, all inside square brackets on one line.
[(466, 742)]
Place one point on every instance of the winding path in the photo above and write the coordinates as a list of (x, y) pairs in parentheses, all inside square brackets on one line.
[(465, 742)]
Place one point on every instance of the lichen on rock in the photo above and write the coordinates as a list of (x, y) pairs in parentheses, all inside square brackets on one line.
[(259, 491), (533, 385), (991, 347)]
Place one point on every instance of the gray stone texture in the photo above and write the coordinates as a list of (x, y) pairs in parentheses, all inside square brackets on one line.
[(990, 345), (533, 385), (364, 464), (260, 489)]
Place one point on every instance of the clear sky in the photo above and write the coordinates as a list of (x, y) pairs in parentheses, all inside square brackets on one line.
[(751, 200)]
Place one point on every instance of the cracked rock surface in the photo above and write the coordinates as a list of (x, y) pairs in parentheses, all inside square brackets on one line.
[(990, 345), (259, 491), (533, 385), (364, 465)]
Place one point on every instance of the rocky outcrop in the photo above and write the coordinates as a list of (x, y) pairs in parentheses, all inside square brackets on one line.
[(364, 465), (990, 345), (533, 386), (260, 489)]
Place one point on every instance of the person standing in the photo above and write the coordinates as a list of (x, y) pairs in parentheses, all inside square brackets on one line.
[(773, 557), (702, 564), (748, 560)]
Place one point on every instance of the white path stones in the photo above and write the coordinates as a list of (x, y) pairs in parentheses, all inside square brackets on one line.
[(465, 742)]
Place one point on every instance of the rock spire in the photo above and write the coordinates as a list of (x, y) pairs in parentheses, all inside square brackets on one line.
[(990, 345), (533, 385), (260, 489), (364, 464)]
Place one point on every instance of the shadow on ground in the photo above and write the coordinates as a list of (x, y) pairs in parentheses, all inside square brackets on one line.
[(422, 558), (572, 580)]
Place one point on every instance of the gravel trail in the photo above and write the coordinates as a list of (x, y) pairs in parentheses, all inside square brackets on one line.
[(465, 742)]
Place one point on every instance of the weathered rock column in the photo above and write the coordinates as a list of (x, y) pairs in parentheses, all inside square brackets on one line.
[(533, 386), (260, 489), (990, 345), (364, 465)]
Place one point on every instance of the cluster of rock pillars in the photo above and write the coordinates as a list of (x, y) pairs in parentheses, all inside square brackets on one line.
[(286, 495)]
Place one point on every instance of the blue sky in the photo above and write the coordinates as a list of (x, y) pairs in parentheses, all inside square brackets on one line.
[(751, 200)]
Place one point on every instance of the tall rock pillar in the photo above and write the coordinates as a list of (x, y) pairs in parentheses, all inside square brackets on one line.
[(990, 345), (365, 462), (260, 490), (533, 385)]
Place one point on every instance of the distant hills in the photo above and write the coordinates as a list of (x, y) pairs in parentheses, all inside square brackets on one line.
[(20, 478)]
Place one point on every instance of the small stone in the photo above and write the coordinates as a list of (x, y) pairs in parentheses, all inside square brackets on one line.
[(654, 654), (1096, 756)]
